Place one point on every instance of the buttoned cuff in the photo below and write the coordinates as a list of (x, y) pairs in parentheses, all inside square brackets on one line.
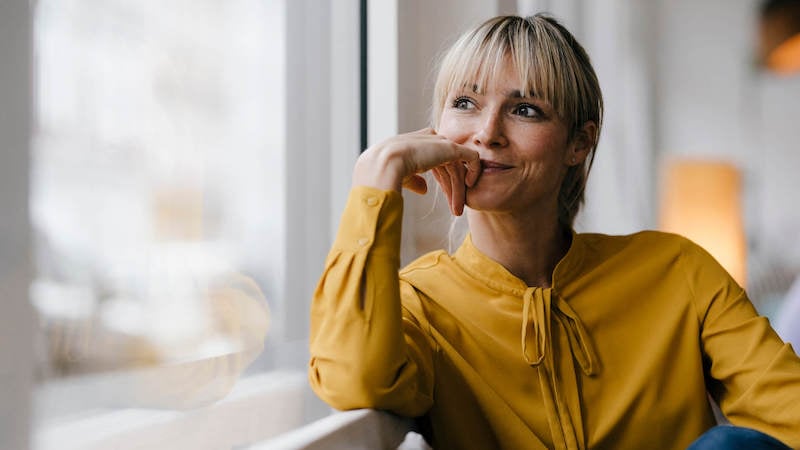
[(372, 220)]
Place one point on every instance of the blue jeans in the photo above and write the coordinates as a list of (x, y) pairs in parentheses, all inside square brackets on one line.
[(729, 437)]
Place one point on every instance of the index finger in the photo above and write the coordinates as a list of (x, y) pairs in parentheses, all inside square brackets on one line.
[(472, 162)]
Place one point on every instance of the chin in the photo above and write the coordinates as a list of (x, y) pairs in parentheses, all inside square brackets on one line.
[(481, 200)]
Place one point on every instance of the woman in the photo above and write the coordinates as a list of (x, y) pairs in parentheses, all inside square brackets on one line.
[(531, 336)]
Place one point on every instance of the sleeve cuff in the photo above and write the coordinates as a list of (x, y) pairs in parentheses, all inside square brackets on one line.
[(371, 218)]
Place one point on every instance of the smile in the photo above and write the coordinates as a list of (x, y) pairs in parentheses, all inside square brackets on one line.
[(493, 166)]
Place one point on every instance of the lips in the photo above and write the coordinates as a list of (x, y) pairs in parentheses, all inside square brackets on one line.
[(493, 166)]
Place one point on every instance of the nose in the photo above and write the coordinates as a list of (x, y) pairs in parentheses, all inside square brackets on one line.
[(491, 133)]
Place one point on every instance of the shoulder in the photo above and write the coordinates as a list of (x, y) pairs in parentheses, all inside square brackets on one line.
[(649, 241), (434, 275), (655, 244), (666, 255), (644, 236), (654, 251), (432, 266), (427, 263)]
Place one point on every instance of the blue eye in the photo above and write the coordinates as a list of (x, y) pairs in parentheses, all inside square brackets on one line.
[(527, 110), (463, 103)]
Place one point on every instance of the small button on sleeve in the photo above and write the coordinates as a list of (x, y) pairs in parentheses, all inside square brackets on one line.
[(369, 210)]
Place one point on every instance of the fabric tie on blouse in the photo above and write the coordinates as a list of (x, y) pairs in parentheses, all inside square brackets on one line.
[(541, 309), (537, 314)]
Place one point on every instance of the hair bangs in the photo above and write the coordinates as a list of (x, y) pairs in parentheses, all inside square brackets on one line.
[(478, 57)]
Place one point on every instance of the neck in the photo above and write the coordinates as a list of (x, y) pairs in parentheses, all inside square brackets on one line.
[(527, 246)]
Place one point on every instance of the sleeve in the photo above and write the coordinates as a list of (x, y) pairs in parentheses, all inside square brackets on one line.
[(367, 351), (752, 374)]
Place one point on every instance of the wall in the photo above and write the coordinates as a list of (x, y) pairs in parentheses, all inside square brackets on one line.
[(775, 162), (714, 102)]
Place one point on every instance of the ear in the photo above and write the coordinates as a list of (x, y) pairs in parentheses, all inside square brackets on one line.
[(581, 144)]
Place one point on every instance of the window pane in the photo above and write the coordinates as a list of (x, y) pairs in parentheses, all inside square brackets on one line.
[(156, 151)]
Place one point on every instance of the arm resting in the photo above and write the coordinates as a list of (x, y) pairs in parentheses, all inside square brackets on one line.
[(367, 351)]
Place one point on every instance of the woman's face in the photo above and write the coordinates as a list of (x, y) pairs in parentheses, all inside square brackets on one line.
[(523, 145)]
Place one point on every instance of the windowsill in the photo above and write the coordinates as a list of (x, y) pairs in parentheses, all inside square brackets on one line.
[(259, 407), (362, 429)]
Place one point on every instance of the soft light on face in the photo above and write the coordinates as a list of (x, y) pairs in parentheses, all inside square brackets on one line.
[(551, 66), (523, 144)]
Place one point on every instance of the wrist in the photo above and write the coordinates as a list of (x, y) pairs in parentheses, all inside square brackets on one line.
[(380, 168)]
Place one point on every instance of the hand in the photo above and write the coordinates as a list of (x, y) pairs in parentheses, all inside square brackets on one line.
[(398, 161), (451, 177)]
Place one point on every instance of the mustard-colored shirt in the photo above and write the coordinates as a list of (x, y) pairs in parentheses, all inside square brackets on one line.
[(618, 354)]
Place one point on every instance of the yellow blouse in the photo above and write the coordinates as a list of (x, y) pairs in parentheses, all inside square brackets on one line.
[(618, 354)]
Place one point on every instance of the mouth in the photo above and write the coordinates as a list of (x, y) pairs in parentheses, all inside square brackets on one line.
[(493, 166)]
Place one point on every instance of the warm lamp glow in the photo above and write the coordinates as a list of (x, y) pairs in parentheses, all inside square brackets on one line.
[(702, 201), (785, 59), (779, 36)]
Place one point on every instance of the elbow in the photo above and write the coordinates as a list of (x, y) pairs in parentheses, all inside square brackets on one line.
[(360, 389), (344, 390)]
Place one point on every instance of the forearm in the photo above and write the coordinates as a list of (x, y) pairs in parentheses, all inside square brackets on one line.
[(364, 354)]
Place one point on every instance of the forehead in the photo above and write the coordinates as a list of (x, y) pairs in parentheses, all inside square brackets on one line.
[(501, 65), (505, 78)]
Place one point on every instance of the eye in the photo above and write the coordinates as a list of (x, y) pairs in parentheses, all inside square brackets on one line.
[(527, 110), (464, 103)]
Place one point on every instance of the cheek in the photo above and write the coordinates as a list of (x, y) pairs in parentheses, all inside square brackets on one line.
[(547, 146), (452, 129)]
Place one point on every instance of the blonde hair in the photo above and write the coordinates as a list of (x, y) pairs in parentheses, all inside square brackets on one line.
[(551, 66)]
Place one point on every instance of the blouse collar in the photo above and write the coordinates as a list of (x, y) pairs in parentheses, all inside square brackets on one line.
[(493, 274)]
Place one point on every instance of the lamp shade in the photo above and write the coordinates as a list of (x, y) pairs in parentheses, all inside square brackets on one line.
[(779, 36), (702, 201)]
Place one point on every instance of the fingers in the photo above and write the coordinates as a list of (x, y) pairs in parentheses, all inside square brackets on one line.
[(450, 177), (445, 179), (470, 161), (456, 174), (416, 183), (432, 150), (442, 179), (473, 170), (458, 190)]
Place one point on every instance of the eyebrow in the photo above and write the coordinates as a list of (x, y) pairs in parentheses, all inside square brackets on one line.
[(511, 93)]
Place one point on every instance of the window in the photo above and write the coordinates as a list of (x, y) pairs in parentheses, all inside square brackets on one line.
[(184, 165)]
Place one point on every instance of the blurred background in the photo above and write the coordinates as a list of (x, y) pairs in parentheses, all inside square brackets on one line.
[(172, 173)]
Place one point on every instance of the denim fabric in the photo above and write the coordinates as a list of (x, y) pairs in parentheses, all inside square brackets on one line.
[(729, 437)]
